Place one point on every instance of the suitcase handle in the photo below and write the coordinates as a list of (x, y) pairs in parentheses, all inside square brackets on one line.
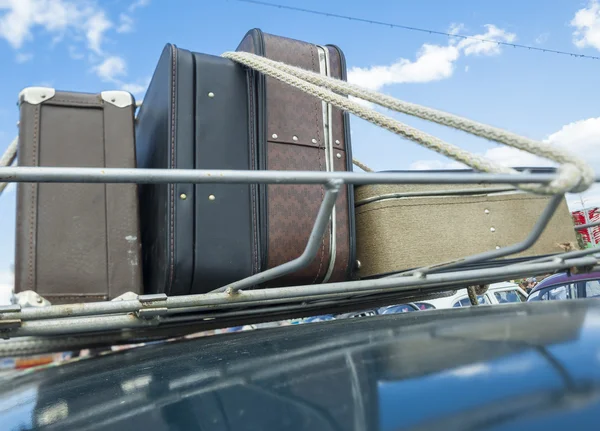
[(575, 175)]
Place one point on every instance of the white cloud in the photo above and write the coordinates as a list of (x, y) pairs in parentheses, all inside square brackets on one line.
[(456, 28), (84, 22), (466, 68), (125, 24), (111, 68), (57, 17), (134, 88), (137, 88), (542, 38), (582, 137), (508, 156), (23, 57), (138, 4), (433, 62), (587, 24), (591, 198), (96, 26), (428, 165), (477, 47)]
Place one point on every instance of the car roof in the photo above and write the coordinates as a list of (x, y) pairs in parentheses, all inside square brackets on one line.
[(565, 277)]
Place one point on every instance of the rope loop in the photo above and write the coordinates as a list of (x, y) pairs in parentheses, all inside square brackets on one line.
[(573, 175)]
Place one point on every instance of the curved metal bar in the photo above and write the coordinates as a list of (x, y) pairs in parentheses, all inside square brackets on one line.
[(307, 256)]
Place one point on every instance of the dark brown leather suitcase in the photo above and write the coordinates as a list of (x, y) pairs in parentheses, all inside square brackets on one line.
[(297, 131), (77, 242)]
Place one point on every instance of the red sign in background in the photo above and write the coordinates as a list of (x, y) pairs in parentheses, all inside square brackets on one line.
[(593, 215)]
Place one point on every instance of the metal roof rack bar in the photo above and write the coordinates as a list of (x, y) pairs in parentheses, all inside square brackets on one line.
[(587, 225), (63, 319), (167, 176)]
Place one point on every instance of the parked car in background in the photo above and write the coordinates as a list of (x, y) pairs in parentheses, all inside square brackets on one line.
[(567, 286), (498, 293)]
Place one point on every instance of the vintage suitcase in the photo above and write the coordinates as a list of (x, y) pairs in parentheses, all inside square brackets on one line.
[(402, 227), (195, 115), (77, 242), (204, 112), (297, 131)]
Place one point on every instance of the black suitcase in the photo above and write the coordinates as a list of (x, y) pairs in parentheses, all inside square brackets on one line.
[(203, 230)]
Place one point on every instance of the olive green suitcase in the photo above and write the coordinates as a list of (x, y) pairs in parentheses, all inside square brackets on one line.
[(402, 227)]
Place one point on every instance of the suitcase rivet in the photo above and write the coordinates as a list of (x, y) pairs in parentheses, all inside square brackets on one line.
[(183, 196), (493, 229), (274, 136), (211, 94), (211, 197), (314, 141), (486, 211), (497, 247), (337, 142), (295, 138), (358, 264), (338, 155)]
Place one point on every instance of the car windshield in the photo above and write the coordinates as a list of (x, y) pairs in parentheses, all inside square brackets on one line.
[(401, 308), (506, 296), (424, 306), (466, 302)]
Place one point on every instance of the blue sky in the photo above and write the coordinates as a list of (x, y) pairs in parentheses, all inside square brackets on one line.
[(114, 44)]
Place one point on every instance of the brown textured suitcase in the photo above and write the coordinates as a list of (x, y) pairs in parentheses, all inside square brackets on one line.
[(402, 226), (77, 242), (297, 131)]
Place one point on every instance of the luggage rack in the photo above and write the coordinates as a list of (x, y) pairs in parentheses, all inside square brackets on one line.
[(145, 317)]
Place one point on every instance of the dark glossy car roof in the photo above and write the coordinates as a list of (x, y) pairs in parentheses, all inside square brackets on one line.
[(527, 366), (564, 277)]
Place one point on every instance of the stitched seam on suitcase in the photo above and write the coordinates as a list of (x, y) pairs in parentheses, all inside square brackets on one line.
[(106, 214), (33, 208), (416, 204), (74, 103), (320, 169), (172, 186), (253, 186)]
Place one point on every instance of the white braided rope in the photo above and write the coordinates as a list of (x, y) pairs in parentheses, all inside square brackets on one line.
[(574, 175), (362, 165), (8, 158)]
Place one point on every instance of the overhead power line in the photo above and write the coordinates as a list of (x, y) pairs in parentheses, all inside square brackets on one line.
[(422, 30)]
